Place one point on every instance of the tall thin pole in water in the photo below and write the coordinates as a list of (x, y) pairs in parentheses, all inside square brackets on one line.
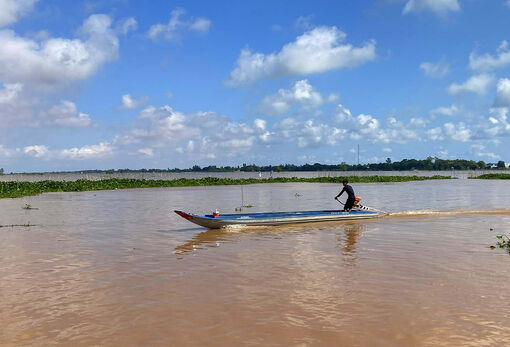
[(358, 154)]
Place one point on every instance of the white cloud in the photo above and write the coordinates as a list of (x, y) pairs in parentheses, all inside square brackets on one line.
[(10, 92), (435, 70), (488, 62), (503, 93), (126, 25), (308, 133), (445, 111), (370, 129), (259, 124), (302, 93), (15, 107), (101, 151), (387, 150), (146, 152), (66, 115), (173, 29), (481, 151), (304, 22), (315, 51), (450, 131), (439, 7), (12, 10), (57, 60), (36, 151), (5, 152), (478, 84), (497, 124), (130, 103), (203, 134), (88, 152)]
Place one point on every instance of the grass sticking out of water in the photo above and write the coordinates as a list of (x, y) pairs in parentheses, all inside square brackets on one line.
[(494, 176), (19, 189), (503, 242)]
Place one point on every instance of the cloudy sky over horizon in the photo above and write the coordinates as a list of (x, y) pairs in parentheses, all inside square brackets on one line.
[(122, 84)]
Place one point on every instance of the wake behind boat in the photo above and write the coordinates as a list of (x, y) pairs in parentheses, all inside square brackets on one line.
[(215, 221)]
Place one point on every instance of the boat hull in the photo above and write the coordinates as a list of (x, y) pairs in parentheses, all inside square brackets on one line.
[(276, 218)]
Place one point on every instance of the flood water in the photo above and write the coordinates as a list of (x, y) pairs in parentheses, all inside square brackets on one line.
[(120, 268)]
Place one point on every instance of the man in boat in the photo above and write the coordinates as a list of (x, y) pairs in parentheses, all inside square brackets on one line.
[(350, 195)]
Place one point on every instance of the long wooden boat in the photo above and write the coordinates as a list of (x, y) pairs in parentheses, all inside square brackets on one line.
[(212, 221)]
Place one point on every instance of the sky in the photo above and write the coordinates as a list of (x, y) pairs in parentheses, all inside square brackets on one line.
[(170, 84)]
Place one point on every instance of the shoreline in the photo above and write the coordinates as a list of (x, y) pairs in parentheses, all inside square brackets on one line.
[(16, 189)]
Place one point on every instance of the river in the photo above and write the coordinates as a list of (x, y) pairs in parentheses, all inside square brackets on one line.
[(120, 268)]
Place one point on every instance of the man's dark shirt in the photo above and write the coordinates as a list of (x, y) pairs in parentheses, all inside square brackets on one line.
[(350, 192)]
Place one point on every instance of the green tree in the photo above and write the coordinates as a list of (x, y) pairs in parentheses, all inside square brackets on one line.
[(501, 164), (1, 170)]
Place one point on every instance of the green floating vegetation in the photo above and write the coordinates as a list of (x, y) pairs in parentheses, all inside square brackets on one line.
[(493, 176), (503, 242), (19, 189)]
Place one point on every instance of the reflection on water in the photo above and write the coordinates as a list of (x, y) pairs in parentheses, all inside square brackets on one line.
[(209, 238), (352, 232), (120, 268)]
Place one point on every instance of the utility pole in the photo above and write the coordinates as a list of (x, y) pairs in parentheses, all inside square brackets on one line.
[(358, 154)]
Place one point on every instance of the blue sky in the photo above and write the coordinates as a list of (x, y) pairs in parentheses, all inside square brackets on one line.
[(131, 84)]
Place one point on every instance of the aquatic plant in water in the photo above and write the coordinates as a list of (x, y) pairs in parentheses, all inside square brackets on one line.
[(503, 242), (18, 189), (493, 176)]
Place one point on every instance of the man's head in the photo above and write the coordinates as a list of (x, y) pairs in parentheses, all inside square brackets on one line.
[(344, 182)]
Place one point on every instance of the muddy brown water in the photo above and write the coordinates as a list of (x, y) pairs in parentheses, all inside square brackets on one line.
[(119, 268)]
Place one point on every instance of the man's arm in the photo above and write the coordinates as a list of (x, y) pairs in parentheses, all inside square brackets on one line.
[(343, 190)]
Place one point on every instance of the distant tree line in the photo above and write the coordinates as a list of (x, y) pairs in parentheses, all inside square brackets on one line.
[(431, 164)]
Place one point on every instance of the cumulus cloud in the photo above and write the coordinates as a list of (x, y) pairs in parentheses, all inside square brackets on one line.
[(450, 131), (370, 128), (5, 152), (57, 60), (148, 152), (66, 115), (445, 111), (497, 124), (481, 151), (10, 92), (488, 62), (307, 133), (12, 10), (175, 26), (36, 151), (126, 25), (14, 107), (204, 134), (102, 150), (130, 103), (302, 93), (316, 51), (438, 7), (503, 93), (478, 84), (435, 70)]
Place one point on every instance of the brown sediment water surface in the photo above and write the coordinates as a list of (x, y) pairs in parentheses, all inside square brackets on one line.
[(120, 268)]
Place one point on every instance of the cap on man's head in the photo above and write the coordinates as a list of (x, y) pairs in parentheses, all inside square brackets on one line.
[(345, 181)]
